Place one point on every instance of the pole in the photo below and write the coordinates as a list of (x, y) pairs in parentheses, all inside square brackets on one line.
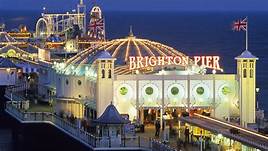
[(247, 34)]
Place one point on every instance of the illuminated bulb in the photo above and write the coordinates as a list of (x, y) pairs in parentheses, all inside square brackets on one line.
[(213, 71), (219, 136)]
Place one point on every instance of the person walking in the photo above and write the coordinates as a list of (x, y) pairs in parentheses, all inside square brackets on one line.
[(157, 128), (186, 134)]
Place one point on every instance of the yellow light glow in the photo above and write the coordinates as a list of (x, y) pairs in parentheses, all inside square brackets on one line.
[(233, 126)]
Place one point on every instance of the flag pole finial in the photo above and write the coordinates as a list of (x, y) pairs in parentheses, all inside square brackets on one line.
[(247, 33), (130, 31)]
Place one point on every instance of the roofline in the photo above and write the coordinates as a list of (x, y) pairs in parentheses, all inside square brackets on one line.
[(106, 59), (238, 58)]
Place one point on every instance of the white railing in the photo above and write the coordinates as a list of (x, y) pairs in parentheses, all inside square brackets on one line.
[(79, 134), (248, 140)]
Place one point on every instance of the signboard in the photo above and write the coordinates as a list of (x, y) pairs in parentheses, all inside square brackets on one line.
[(211, 62)]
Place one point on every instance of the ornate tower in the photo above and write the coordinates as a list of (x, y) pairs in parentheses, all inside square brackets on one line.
[(246, 71), (97, 24), (105, 78)]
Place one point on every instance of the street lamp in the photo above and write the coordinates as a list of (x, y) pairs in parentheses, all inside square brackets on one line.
[(257, 92), (26, 93)]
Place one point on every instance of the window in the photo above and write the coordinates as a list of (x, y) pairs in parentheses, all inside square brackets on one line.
[(103, 73), (244, 65), (149, 90), (251, 65), (103, 65), (67, 82), (110, 74), (200, 90), (79, 82), (251, 73), (244, 73)]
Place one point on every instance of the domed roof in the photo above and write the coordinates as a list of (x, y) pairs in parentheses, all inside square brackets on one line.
[(121, 49)]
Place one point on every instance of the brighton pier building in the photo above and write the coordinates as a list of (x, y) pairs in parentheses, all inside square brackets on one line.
[(146, 80)]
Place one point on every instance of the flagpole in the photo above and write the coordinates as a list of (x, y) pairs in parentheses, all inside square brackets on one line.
[(247, 34)]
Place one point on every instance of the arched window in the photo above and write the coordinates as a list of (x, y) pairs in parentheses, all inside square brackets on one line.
[(110, 74), (103, 73), (251, 73), (244, 73)]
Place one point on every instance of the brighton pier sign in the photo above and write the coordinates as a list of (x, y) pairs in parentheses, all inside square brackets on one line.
[(211, 62)]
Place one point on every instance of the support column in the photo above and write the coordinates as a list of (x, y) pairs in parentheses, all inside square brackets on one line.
[(188, 92), (142, 115), (163, 102), (138, 102), (214, 96), (161, 118)]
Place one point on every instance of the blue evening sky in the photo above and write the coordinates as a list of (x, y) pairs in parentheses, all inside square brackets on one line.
[(141, 5)]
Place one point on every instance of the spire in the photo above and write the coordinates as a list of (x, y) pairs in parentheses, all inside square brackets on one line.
[(81, 2), (130, 32)]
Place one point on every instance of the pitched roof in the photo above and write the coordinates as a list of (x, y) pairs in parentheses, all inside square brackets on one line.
[(246, 55), (103, 55), (4, 37), (6, 63), (17, 49), (111, 116)]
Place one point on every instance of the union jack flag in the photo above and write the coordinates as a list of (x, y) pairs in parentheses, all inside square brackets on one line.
[(96, 28), (240, 25)]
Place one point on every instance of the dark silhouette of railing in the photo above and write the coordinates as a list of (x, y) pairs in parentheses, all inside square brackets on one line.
[(140, 143)]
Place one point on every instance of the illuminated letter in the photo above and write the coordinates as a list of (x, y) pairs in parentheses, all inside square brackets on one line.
[(161, 61), (196, 59), (146, 61), (152, 61), (169, 58), (139, 62), (132, 63), (203, 61), (177, 60), (216, 64), (209, 61), (185, 60)]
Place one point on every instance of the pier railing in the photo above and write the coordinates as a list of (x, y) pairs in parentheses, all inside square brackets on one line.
[(224, 132), (79, 134)]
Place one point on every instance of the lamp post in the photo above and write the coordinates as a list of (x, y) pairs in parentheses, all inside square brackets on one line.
[(258, 118), (26, 87), (257, 92)]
